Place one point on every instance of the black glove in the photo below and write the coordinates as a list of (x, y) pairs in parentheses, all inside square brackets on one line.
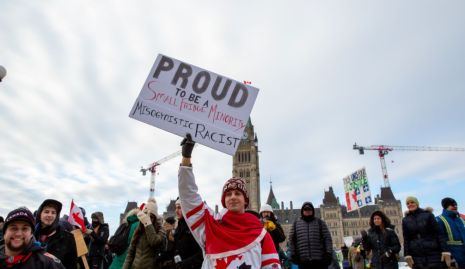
[(187, 146)]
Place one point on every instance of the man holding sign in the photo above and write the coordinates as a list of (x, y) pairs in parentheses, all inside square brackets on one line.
[(232, 238)]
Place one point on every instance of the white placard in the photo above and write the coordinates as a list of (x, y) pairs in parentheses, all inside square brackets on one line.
[(357, 191), (182, 98)]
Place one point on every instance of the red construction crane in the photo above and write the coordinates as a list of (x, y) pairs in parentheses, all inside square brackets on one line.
[(153, 169), (384, 150)]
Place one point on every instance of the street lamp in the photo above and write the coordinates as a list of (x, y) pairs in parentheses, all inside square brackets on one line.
[(2, 72)]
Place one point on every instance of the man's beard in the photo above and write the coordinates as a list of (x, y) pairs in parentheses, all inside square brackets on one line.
[(10, 246)]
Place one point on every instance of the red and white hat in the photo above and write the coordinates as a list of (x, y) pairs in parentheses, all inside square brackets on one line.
[(235, 183)]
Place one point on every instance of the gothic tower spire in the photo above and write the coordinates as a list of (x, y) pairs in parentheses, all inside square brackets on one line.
[(246, 165)]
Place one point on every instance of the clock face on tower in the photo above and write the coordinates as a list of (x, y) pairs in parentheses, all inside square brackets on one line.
[(245, 135)]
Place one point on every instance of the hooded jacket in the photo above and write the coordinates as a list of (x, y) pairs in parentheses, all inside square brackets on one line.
[(132, 220), (56, 240), (98, 237), (383, 244), (309, 239)]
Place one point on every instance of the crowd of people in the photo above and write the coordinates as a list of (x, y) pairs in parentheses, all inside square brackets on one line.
[(199, 237)]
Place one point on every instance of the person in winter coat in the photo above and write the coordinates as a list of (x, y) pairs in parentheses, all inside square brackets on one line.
[(382, 241), (132, 220), (452, 230), (310, 242), (357, 254), (148, 241), (271, 224), (98, 238), (19, 248), (423, 245), (231, 238), (186, 252), (56, 240)]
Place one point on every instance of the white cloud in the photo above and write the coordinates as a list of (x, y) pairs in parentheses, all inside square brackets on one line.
[(330, 74)]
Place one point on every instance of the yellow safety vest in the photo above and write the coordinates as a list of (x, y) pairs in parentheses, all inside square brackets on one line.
[(451, 240)]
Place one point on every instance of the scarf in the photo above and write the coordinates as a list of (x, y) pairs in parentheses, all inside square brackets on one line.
[(235, 233)]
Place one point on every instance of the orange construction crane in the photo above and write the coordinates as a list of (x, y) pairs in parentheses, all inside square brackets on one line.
[(384, 150)]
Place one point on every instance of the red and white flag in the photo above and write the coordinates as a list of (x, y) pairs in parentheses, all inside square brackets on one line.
[(76, 217)]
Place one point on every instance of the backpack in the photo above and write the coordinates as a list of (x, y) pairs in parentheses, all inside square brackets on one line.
[(118, 243)]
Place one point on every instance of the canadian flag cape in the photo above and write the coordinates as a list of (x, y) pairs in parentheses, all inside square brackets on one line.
[(235, 232), (76, 217)]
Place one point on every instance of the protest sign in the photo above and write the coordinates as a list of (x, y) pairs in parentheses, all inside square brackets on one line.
[(357, 191), (182, 98)]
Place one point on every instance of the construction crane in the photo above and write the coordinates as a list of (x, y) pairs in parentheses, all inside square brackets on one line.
[(384, 150), (152, 168)]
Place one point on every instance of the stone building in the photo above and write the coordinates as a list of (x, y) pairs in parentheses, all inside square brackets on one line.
[(340, 222)]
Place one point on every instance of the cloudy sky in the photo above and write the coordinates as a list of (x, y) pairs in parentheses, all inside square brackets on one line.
[(330, 73)]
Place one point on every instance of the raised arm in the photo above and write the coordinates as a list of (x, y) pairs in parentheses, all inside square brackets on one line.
[(193, 207)]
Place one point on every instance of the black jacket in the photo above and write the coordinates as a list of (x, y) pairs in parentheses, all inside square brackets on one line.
[(380, 243), (186, 246), (36, 260), (421, 237), (98, 241), (277, 234), (309, 239), (62, 245)]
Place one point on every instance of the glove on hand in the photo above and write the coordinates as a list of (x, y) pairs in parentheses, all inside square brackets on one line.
[(446, 257), (386, 257), (187, 146), (144, 219), (269, 225), (409, 261)]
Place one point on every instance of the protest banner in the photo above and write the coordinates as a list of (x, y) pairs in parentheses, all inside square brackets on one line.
[(182, 98), (81, 246), (357, 191)]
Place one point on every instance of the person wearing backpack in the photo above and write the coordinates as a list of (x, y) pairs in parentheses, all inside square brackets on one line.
[(130, 223)]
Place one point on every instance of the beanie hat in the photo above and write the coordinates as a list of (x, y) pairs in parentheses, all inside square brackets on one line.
[(20, 214), (412, 199), (266, 208), (446, 202), (235, 183), (151, 206)]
